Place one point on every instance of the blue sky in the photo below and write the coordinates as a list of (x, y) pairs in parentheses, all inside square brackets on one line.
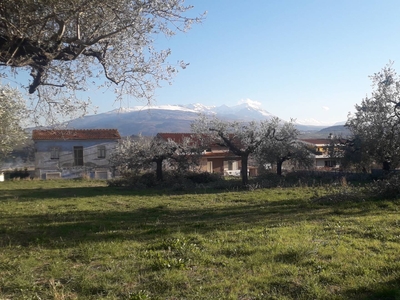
[(299, 59), (308, 59)]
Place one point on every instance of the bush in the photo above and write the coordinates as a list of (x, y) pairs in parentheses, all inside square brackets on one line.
[(19, 173), (137, 181), (386, 188), (204, 177), (172, 180), (269, 180)]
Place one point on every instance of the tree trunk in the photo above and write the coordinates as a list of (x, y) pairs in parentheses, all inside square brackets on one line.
[(279, 167), (243, 171), (159, 172), (386, 166)]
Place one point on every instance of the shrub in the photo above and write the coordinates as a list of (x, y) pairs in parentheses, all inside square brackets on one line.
[(136, 181), (19, 173), (269, 180), (204, 177), (385, 188)]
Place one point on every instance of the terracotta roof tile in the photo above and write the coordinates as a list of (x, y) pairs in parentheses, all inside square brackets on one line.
[(76, 134)]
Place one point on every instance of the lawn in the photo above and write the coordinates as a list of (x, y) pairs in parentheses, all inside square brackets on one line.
[(83, 240)]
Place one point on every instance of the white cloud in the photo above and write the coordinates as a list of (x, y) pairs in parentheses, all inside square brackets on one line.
[(326, 108), (250, 102)]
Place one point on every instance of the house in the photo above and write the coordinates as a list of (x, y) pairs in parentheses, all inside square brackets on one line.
[(320, 151), (73, 153), (215, 159)]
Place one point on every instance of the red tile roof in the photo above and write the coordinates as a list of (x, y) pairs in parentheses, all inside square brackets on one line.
[(221, 154), (76, 134)]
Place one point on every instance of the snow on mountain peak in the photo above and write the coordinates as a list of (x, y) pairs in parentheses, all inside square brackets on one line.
[(253, 107), (149, 107), (199, 107), (251, 103)]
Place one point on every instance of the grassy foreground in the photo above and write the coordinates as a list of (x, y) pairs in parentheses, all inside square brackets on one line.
[(82, 240)]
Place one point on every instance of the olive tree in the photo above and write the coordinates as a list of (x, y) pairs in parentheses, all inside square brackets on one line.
[(284, 146), (242, 139), (352, 153), (137, 154), (376, 123), (12, 113), (68, 45)]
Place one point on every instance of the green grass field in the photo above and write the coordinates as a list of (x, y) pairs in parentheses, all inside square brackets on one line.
[(83, 240)]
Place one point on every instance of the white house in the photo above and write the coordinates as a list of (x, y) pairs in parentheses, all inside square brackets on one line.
[(74, 153), (321, 153)]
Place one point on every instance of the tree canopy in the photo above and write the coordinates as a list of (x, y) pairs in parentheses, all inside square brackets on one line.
[(66, 45), (12, 113), (242, 139), (283, 147), (143, 153), (376, 123)]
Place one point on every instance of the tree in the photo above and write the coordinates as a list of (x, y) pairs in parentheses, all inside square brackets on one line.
[(242, 139), (141, 153), (66, 45), (284, 146), (376, 123), (12, 112), (351, 152)]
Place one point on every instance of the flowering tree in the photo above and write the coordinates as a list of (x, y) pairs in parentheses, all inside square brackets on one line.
[(65, 45), (242, 139), (12, 114)]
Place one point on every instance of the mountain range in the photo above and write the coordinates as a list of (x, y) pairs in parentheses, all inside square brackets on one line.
[(150, 120)]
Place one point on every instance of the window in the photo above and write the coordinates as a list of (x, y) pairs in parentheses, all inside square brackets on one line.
[(78, 156), (101, 152), (330, 163), (230, 165), (54, 153)]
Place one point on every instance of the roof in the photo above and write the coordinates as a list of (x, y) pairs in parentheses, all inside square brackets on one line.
[(221, 154), (317, 141), (76, 134)]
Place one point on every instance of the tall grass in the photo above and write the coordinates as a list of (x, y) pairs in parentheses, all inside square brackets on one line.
[(83, 240)]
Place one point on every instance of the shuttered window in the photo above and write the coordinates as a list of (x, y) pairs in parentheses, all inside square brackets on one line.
[(101, 152), (54, 153), (78, 156)]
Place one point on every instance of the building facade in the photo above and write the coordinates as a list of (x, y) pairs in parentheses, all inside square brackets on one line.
[(74, 153)]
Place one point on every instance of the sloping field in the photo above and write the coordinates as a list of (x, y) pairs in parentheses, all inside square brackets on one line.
[(83, 240)]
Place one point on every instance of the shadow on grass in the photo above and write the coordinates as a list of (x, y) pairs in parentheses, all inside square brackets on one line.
[(24, 195), (389, 290), (67, 229)]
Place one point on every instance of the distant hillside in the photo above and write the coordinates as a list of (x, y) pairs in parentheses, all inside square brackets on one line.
[(335, 130), (150, 120)]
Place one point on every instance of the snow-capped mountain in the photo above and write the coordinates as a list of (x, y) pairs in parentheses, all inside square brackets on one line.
[(150, 120)]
